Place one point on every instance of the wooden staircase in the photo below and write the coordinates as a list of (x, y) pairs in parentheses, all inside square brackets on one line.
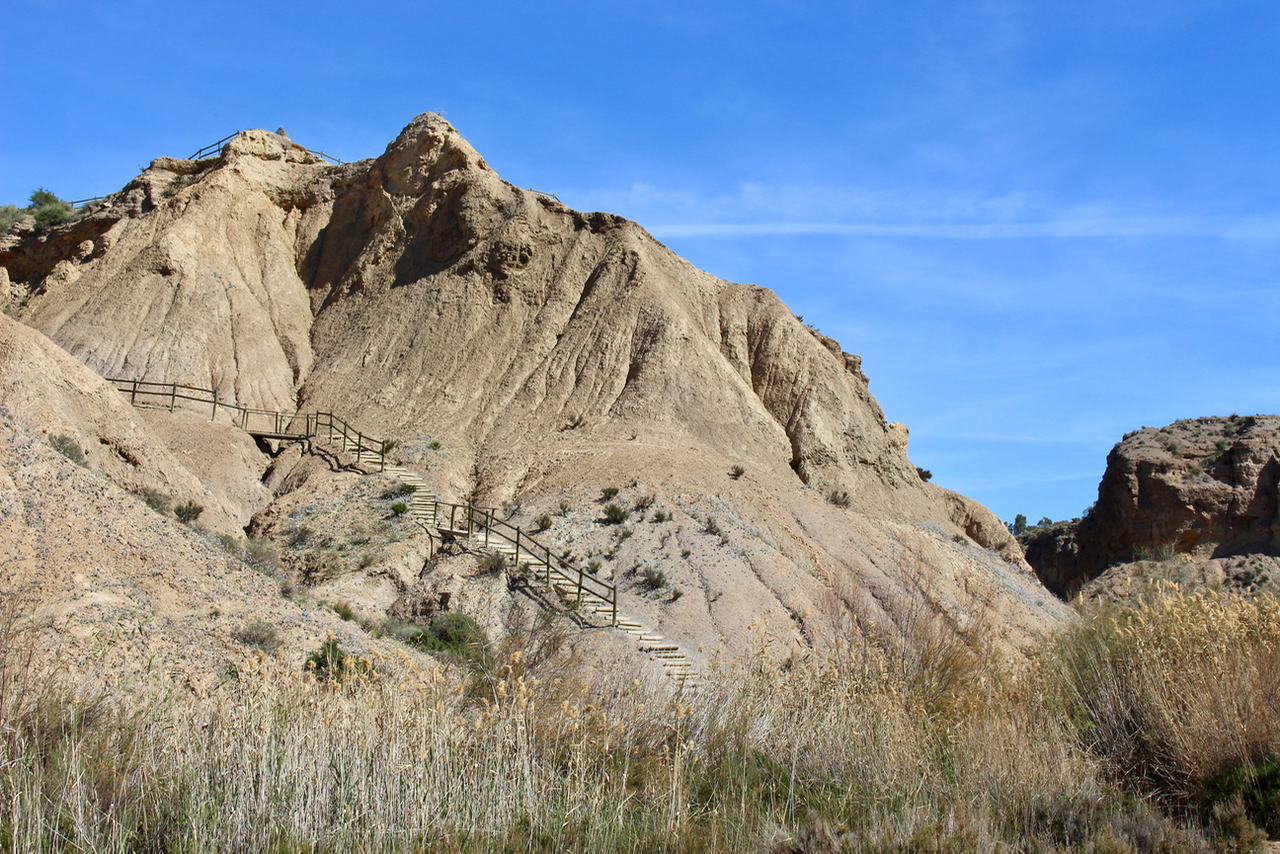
[(425, 509), (479, 528)]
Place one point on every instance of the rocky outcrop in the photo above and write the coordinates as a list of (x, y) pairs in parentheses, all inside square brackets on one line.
[(1205, 487)]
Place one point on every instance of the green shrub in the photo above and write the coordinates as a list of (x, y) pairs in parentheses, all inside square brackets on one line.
[(660, 516), (258, 633), (344, 609), (399, 508), (331, 663), (925, 474), (435, 446), (712, 527), (652, 579), (1253, 786), (188, 512), (493, 562), (838, 497), (608, 493), (615, 515), (457, 635), (542, 523), (643, 503), (400, 490), (261, 555), (9, 214), (154, 499), (736, 472), (68, 447), (594, 567), (48, 209)]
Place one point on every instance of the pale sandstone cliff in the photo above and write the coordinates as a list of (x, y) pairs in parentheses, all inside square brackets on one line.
[(550, 353)]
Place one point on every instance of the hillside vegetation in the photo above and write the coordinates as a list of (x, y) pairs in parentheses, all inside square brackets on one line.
[(1095, 746)]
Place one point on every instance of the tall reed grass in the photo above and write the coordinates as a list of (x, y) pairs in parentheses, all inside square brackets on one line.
[(1093, 747)]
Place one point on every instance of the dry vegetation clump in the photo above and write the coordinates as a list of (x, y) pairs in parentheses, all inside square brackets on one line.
[(1180, 695), (851, 751)]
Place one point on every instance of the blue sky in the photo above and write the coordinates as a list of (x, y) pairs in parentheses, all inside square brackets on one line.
[(1041, 224)]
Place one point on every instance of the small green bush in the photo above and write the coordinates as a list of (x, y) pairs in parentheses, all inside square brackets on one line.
[(493, 562), (48, 209), (9, 214), (1255, 787), (261, 555), (736, 472), (643, 503), (542, 523), (925, 474), (331, 663), (400, 490), (457, 635), (344, 609), (660, 516), (608, 493), (712, 527), (838, 497), (154, 499), (399, 508), (258, 633), (615, 515), (653, 579), (188, 512), (68, 447), (435, 446), (594, 567)]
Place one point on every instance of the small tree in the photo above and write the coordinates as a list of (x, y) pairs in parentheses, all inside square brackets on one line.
[(1019, 523), (48, 209)]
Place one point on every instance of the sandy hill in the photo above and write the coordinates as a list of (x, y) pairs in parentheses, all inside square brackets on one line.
[(523, 354)]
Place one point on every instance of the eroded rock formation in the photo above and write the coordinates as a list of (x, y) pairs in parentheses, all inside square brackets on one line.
[(1205, 487)]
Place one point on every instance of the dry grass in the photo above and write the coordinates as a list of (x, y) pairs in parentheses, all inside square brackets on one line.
[(1179, 690), (851, 751)]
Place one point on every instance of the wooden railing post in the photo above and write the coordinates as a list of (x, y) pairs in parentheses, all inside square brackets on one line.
[(133, 395), (214, 416), (173, 396)]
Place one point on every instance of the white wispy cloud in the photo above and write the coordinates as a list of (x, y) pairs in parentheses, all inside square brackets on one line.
[(758, 210), (1245, 229)]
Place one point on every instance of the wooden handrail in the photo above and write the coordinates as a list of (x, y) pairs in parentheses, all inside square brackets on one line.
[(477, 519), (282, 423), (484, 521)]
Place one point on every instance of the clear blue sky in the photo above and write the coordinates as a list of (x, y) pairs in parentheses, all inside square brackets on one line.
[(1040, 223)]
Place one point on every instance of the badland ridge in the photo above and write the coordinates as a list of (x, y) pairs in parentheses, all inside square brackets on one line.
[(522, 354)]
